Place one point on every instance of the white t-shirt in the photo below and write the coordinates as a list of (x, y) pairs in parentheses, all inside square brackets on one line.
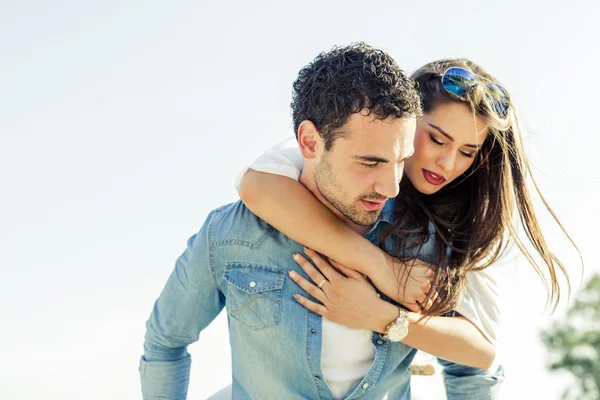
[(343, 369)]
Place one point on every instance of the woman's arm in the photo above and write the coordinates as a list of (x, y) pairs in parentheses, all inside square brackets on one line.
[(293, 210), (453, 339), (349, 299)]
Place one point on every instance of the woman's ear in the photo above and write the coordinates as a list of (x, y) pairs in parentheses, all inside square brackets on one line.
[(309, 139)]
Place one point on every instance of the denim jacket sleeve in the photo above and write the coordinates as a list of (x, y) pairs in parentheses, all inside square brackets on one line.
[(189, 302), (464, 382)]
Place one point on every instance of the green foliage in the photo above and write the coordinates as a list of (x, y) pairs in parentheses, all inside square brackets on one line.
[(573, 343)]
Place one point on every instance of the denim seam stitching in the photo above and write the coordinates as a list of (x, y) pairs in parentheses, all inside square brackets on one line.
[(210, 254), (278, 285), (254, 246), (378, 362), (233, 315), (308, 351), (248, 304)]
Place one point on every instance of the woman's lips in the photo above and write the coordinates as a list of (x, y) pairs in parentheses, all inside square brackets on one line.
[(432, 178)]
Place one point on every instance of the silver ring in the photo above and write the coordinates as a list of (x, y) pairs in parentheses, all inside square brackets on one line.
[(320, 285)]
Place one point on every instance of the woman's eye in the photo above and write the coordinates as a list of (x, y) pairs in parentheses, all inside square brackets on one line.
[(468, 155), (373, 165), (434, 140)]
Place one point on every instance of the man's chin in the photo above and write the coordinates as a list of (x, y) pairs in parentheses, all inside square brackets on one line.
[(367, 218)]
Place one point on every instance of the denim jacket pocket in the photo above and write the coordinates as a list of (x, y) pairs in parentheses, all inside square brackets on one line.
[(254, 294)]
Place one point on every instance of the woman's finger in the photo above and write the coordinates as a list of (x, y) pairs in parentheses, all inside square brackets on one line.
[(311, 305), (311, 289), (314, 274), (414, 307), (427, 304), (420, 306), (420, 273), (434, 296), (421, 297), (330, 273), (426, 286)]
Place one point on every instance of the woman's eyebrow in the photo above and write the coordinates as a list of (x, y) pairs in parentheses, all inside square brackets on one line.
[(440, 130)]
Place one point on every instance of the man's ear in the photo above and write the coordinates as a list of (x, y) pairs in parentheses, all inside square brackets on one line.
[(309, 139)]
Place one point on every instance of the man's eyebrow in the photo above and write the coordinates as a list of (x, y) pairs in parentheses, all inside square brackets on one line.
[(440, 130), (371, 159), (375, 159)]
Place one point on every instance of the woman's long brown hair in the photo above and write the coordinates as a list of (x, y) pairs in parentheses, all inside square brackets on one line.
[(479, 214)]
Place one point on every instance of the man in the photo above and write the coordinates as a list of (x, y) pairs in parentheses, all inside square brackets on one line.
[(352, 107)]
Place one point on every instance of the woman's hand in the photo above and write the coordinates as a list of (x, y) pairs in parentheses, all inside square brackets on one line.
[(408, 283), (346, 296)]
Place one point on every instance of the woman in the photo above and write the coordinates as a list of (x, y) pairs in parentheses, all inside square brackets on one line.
[(466, 178)]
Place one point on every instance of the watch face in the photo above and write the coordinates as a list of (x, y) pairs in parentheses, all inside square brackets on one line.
[(398, 332)]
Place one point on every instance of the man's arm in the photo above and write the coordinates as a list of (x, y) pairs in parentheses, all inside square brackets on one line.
[(190, 300)]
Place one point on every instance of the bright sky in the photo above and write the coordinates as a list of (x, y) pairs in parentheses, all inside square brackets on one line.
[(122, 124)]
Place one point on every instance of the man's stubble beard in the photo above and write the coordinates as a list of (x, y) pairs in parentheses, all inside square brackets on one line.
[(332, 191)]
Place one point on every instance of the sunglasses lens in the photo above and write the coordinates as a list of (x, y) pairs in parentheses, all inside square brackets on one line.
[(499, 98), (458, 81)]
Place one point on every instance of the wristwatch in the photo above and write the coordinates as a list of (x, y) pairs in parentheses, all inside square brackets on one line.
[(398, 329)]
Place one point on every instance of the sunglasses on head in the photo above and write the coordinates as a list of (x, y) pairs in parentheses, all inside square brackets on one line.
[(459, 81)]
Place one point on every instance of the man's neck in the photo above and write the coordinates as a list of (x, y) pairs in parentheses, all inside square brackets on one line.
[(307, 179)]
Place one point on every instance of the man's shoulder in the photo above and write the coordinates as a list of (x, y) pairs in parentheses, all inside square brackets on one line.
[(234, 213), (235, 224)]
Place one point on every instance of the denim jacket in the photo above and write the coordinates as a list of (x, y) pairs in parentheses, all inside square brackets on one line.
[(239, 262)]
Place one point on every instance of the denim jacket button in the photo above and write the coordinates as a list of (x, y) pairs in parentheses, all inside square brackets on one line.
[(252, 284), (366, 385)]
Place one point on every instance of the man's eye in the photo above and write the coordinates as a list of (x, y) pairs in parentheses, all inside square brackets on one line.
[(372, 165)]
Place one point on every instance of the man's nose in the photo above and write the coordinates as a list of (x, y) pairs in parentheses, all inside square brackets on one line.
[(388, 184)]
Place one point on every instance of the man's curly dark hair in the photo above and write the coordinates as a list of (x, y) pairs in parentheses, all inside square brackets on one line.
[(347, 80)]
